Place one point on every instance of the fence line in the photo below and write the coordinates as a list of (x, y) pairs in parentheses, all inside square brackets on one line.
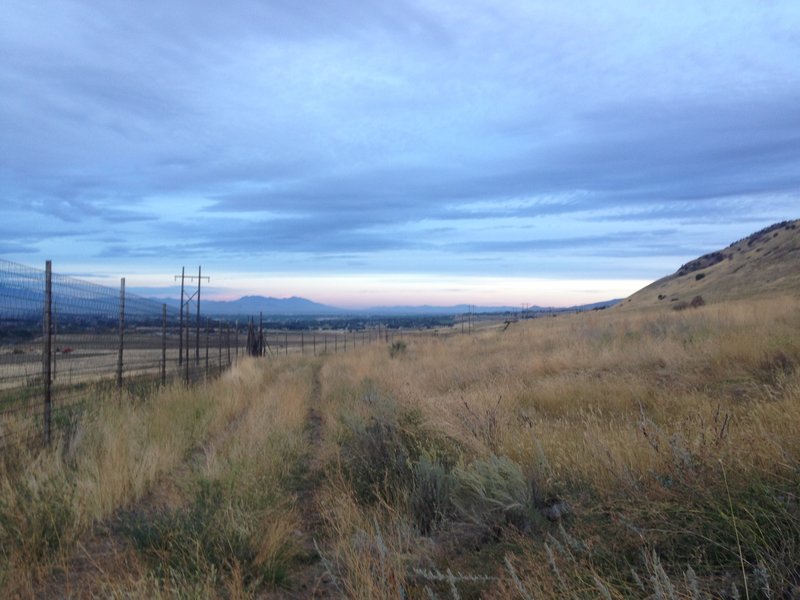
[(64, 341)]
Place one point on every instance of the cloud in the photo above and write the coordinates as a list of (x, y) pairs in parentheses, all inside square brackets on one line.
[(396, 135)]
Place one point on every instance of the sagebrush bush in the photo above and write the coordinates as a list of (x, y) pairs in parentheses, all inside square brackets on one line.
[(375, 459), (493, 492), (431, 500)]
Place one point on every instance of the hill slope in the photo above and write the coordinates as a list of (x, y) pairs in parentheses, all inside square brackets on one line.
[(761, 264)]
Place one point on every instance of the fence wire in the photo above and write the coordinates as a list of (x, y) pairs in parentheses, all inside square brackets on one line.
[(96, 341), (101, 339)]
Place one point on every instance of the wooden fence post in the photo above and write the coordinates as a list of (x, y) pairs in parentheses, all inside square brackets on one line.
[(121, 331), (163, 344), (46, 350)]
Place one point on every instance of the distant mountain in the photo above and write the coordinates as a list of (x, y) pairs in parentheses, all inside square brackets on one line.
[(252, 305), (764, 263), (295, 306), (460, 309), (427, 310)]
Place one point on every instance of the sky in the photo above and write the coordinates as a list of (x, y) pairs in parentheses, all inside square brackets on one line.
[(394, 151)]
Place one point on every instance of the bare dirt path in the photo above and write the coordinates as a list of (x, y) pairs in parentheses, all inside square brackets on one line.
[(312, 581)]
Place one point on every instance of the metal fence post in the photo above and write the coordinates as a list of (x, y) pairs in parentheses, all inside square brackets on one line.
[(228, 342), (187, 342), (314, 342), (236, 339), (163, 344), (121, 331), (197, 323), (302, 344), (286, 343), (261, 344), (180, 322), (206, 347), (46, 350), (186, 346), (219, 344)]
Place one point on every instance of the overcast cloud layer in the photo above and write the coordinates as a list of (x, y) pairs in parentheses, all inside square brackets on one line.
[(569, 140)]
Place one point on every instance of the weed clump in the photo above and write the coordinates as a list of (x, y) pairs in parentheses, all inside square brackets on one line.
[(36, 519), (431, 500), (492, 493), (375, 459), (210, 535), (397, 348)]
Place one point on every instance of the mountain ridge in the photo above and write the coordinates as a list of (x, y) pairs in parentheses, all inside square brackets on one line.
[(763, 263)]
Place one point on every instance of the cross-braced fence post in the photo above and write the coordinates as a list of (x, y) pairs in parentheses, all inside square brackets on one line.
[(46, 350)]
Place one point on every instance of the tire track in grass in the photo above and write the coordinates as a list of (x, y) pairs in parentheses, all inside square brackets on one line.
[(103, 557), (312, 581)]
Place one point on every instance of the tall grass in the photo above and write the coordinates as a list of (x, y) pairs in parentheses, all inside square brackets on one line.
[(117, 452), (610, 428), (611, 454)]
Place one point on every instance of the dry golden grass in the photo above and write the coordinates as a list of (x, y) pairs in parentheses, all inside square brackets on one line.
[(761, 265), (609, 454), (120, 449), (613, 413)]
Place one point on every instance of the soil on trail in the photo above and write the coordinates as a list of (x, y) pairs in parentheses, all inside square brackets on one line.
[(312, 581)]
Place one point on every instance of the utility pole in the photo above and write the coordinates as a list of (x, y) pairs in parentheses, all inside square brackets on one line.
[(185, 300)]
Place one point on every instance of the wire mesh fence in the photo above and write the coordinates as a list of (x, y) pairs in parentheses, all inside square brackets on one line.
[(64, 341)]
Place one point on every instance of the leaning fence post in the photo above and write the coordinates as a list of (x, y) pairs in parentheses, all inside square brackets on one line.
[(46, 350), (163, 344), (121, 331)]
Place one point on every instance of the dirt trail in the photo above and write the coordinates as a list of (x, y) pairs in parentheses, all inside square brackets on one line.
[(312, 581), (103, 558)]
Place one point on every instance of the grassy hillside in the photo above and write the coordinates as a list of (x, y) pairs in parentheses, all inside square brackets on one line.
[(760, 265), (600, 455)]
